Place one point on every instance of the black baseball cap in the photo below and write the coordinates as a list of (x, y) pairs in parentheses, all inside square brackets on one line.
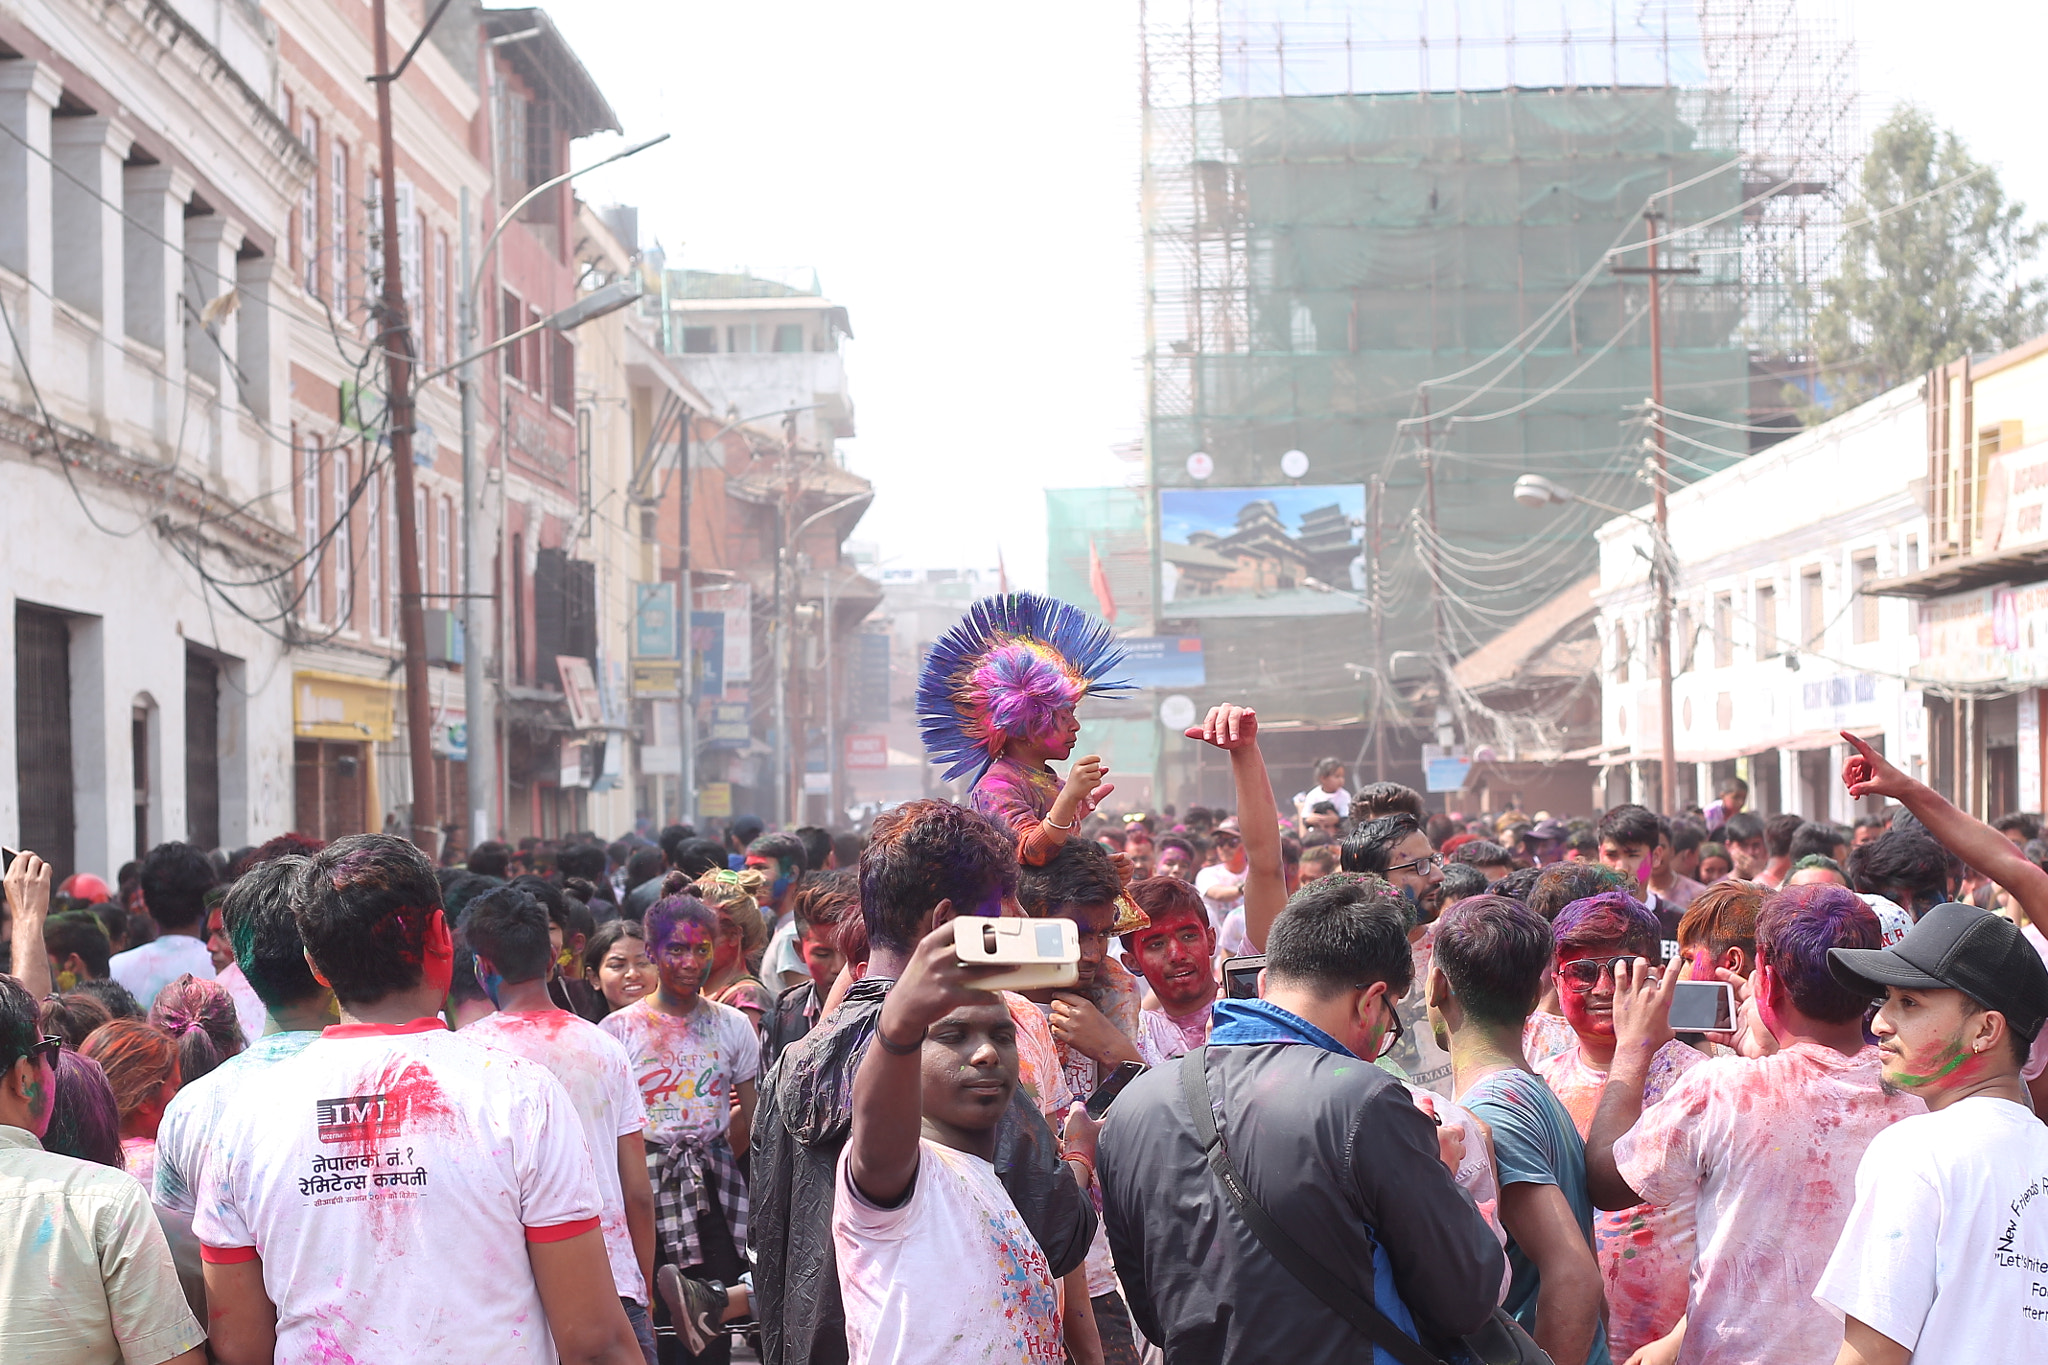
[(1957, 947)]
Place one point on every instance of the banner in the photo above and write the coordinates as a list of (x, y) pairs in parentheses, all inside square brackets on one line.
[(654, 620)]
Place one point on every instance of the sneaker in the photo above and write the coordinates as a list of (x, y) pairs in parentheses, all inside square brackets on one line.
[(690, 1306)]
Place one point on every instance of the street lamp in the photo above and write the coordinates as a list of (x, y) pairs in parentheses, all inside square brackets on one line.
[(788, 590), (479, 722), (1533, 490)]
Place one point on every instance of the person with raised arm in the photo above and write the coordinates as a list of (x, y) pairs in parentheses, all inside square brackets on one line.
[(1235, 730)]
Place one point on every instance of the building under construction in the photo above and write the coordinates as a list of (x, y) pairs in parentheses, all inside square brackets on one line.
[(1393, 261)]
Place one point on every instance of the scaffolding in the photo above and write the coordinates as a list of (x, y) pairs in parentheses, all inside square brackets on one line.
[(1389, 243)]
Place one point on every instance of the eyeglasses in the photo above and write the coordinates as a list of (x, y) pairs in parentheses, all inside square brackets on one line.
[(1391, 1039), (1433, 860), (1582, 974)]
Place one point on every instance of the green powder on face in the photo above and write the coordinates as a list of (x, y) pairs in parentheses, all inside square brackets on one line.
[(1906, 1078)]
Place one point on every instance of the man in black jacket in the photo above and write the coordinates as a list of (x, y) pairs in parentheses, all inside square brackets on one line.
[(1346, 1164), (926, 862)]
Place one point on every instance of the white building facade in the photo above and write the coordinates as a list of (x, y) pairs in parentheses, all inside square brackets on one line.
[(144, 180), (1777, 648)]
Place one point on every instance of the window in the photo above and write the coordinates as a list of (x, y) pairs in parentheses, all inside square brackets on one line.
[(1620, 652), (444, 311), (1766, 621), (1912, 554), (512, 316), (540, 153), (562, 372), (373, 236), (1865, 567), (309, 523), (700, 341), (411, 280), (390, 555), (739, 338), (1813, 620), (1724, 629), (337, 222), (419, 537), (342, 543), (789, 336), (1682, 645), (373, 553), (533, 345), (444, 521), (309, 208), (512, 107)]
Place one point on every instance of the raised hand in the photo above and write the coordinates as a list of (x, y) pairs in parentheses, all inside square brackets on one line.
[(1642, 1005), (1227, 726), (1866, 773)]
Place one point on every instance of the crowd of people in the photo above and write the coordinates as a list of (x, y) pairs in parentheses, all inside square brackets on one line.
[(1333, 1078)]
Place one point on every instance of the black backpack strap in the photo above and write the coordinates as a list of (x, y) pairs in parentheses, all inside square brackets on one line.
[(1363, 1315)]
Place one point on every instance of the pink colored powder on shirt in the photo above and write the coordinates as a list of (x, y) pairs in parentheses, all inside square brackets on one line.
[(1770, 1145)]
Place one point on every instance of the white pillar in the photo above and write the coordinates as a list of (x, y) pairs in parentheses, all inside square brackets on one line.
[(1789, 796), (154, 253), (212, 351), (87, 214), (264, 355), (28, 92), (2029, 705)]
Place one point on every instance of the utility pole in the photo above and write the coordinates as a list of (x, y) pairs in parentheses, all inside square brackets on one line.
[(1377, 491), (1436, 595), (480, 725), (686, 709), (1660, 550), (395, 338)]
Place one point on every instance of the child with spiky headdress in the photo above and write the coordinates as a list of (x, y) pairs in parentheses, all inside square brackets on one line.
[(997, 699)]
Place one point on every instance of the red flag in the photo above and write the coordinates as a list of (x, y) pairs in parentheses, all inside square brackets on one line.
[(1098, 583)]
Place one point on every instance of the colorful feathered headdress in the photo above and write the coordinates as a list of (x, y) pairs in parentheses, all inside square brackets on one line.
[(1003, 671)]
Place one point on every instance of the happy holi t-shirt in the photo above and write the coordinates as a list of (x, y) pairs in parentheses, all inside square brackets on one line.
[(390, 1177), (686, 1066), (594, 1069), (1946, 1248), (1645, 1252), (1770, 1145), (191, 1122), (1534, 1143), (951, 1274)]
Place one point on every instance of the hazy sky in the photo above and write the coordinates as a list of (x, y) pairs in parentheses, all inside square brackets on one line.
[(963, 176)]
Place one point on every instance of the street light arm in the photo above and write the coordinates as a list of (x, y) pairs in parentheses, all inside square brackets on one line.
[(815, 517), (491, 242)]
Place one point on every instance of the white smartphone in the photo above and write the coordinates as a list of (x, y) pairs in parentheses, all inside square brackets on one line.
[(1703, 1007), (1040, 953)]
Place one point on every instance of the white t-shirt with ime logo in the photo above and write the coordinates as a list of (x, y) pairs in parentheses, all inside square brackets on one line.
[(389, 1178)]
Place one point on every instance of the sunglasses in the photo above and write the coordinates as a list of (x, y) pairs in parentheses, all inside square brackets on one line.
[(1582, 974), (46, 1050)]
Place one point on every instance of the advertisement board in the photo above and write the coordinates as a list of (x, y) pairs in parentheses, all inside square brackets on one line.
[(1281, 551)]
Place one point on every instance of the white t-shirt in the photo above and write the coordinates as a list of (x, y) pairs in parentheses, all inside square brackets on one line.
[(593, 1067), (191, 1122), (156, 964), (951, 1274), (1222, 891), (1304, 802), (686, 1067), (1946, 1249), (783, 954), (1770, 1144), (390, 1177)]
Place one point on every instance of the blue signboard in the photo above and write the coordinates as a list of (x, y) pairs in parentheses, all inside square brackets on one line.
[(654, 620), (1162, 661), (1446, 774)]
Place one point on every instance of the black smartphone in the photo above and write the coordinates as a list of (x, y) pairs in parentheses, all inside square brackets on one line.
[(6, 860), (1097, 1104), (1241, 977), (1702, 1007)]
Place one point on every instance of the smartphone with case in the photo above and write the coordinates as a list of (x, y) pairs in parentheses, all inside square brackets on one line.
[(1040, 953), (1241, 977), (1702, 1007)]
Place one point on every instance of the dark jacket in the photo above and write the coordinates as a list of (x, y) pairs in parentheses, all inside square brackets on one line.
[(802, 1120), (1341, 1158), (788, 1022)]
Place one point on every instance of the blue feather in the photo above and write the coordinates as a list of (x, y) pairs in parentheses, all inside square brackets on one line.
[(946, 721)]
